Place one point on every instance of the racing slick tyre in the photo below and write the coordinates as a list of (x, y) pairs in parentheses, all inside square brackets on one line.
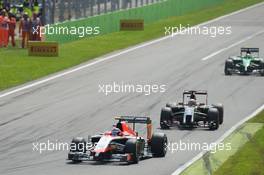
[(78, 144), (262, 72), (131, 148), (262, 68), (220, 109), (213, 118), (171, 105), (165, 118), (174, 107), (228, 66), (159, 143)]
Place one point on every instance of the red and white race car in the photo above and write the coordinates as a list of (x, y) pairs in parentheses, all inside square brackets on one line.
[(122, 143)]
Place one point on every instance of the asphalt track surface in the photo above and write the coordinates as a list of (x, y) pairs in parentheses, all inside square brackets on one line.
[(71, 105)]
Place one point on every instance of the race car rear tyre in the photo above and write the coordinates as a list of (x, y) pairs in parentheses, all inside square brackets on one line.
[(213, 118), (228, 66), (165, 118), (159, 143), (131, 148), (220, 109)]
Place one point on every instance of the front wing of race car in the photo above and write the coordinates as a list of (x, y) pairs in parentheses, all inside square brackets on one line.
[(80, 156)]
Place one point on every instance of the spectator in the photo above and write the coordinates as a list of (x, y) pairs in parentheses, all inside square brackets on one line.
[(24, 29), (35, 28), (1, 5), (6, 5), (27, 8), (1, 29), (36, 8), (4, 29), (12, 28)]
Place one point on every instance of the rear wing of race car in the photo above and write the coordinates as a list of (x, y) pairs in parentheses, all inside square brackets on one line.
[(199, 92), (136, 119), (249, 50), (193, 93)]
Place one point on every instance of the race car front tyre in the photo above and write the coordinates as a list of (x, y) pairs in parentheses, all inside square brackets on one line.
[(171, 105), (220, 109), (261, 68), (228, 67), (131, 148), (213, 118), (159, 144), (262, 72), (78, 144), (165, 118)]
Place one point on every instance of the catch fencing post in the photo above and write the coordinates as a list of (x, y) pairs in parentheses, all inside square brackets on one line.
[(91, 7), (105, 6), (98, 7)]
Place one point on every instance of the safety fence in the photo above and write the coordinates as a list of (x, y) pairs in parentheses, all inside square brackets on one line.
[(76, 9), (110, 22)]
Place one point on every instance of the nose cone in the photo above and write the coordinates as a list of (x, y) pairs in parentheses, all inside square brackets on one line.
[(246, 63), (102, 145)]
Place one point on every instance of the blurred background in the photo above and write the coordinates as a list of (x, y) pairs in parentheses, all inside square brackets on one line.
[(54, 11)]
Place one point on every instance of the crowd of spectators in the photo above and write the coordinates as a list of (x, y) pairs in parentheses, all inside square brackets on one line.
[(20, 20)]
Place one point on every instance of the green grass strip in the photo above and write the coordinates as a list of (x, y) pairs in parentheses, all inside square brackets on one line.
[(250, 158), (211, 162)]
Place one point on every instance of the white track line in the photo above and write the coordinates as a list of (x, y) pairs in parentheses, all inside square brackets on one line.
[(226, 134), (232, 45), (52, 77)]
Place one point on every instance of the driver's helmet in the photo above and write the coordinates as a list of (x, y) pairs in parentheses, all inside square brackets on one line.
[(115, 131), (248, 55), (193, 96), (192, 102)]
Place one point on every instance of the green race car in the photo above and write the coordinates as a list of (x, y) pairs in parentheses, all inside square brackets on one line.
[(247, 63)]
